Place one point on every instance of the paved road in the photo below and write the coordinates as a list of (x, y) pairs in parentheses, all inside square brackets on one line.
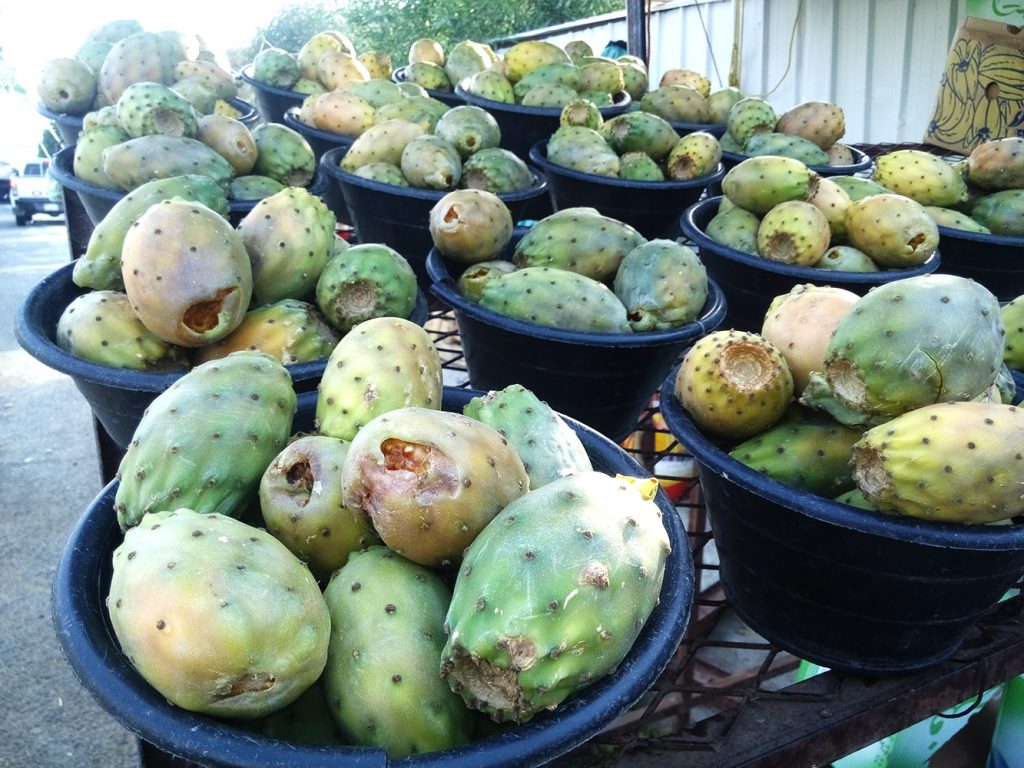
[(49, 471)]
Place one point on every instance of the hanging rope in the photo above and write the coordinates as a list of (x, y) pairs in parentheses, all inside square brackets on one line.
[(707, 39), (792, 40)]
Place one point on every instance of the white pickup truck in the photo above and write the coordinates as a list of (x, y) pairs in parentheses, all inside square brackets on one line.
[(34, 191)]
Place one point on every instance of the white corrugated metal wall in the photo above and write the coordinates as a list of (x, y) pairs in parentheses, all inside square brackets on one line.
[(881, 60)]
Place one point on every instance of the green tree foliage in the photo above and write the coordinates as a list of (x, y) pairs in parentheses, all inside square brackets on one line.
[(392, 25)]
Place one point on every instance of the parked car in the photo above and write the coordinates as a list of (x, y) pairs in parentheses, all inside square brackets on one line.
[(6, 171), (34, 191)]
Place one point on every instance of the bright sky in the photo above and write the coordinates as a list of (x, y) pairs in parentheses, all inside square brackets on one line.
[(29, 39)]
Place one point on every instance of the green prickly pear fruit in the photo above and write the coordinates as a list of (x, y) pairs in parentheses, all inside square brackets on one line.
[(821, 122), (748, 116), (364, 281), (1002, 212), (426, 49), (100, 266), (141, 57), (378, 64), (950, 462), (102, 116), (894, 230), (800, 324), (840, 154), (856, 498), (430, 480), (997, 165), (921, 176), (1013, 322), (469, 129), (577, 49), (101, 326), (720, 102), (66, 85), (136, 161), (943, 341), (383, 143), (316, 46), (196, 93), (579, 240), (153, 108), (209, 73), (301, 504), (490, 84), (832, 200), (496, 170), (112, 31), (663, 284), (729, 144), (378, 366), (561, 73), (343, 112), (307, 720), (639, 132), (513, 653), (638, 166), (549, 448), (679, 103), (337, 69), (424, 110), (635, 79), (690, 77), (387, 633), (470, 225), (735, 228), (760, 183), (696, 154), (239, 415), (283, 153), (288, 330), (466, 58), (385, 173), (473, 279), (582, 149), (203, 604), (308, 87), (92, 53), (582, 112), (793, 232), (846, 258), (88, 154), (289, 237), (554, 95), (807, 456), (252, 186), (526, 56), (556, 298), (858, 187), (376, 91), (600, 74), (953, 219), (231, 139), (428, 75), (186, 272), (787, 145), (430, 162), (734, 384), (276, 67)]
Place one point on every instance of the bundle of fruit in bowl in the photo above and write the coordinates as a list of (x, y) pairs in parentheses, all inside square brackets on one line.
[(920, 426), (172, 283), (433, 68), (684, 97)]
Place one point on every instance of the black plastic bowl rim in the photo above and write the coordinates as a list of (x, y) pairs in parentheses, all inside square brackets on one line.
[(621, 103), (87, 645), (76, 121), (692, 230), (330, 160), (291, 119), (37, 342), (981, 239), (861, 162), (683, 127), (539, 155), (443, 287), (900, 528), (246, 75)]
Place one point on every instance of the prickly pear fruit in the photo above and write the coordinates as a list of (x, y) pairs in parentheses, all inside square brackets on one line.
[(283, 153), (678, 103), (1013, 321), (582, 149), (154, 108), (252, 186), (469, 129), (470, 225), (857, 187), (950, 462), (316, 46), (426, 49), (748, 116), (581, 112), (301, 504), (490, 84), (385, 173), (66, 85), (577, 49), (231, 138), (336, 69), (734, 384), (840, 154), (894, 230), (102, 327), (760, 183), (663, 284), (239, 415), (383, 143), (203, 604), (821, 122), (793, 232), (364, 281), (582, 547), (289, 237), (528, 55), (690, 77), (720, 102), (430, 480), (429, 75), (800, 324), (288, 330), (549, 448), (377, 92), (560, 73), (139, 57), (276, 67), (580, 240), (921, 176), (1002, 212), (832, 200), (639, 131), (430, 162), (556, 298), (554, 95), (846, 258), (186, 273), (342, 112), (307, 720), (638, 166), (473, 279), (997, 165), (496, 170), (600, 74), (88, 154), (787, 145), (378, 366), (943, 340), (136, 161), (378, 64), (954, 219), (423, 110), (387, 633), (209, 73), (696, 154), (735, 228)]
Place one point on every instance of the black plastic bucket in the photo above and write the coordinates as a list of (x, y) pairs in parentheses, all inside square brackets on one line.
[(271, 101), (450, 98), (399, 216), (322, 142), (750, 282), (118, 396), (522, 127), (83, 629), (844, 587), (652, 207), (995, 261), (604, 380)]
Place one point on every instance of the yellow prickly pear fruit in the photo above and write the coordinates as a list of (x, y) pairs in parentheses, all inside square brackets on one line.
[(426, 49), (527, 56)]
